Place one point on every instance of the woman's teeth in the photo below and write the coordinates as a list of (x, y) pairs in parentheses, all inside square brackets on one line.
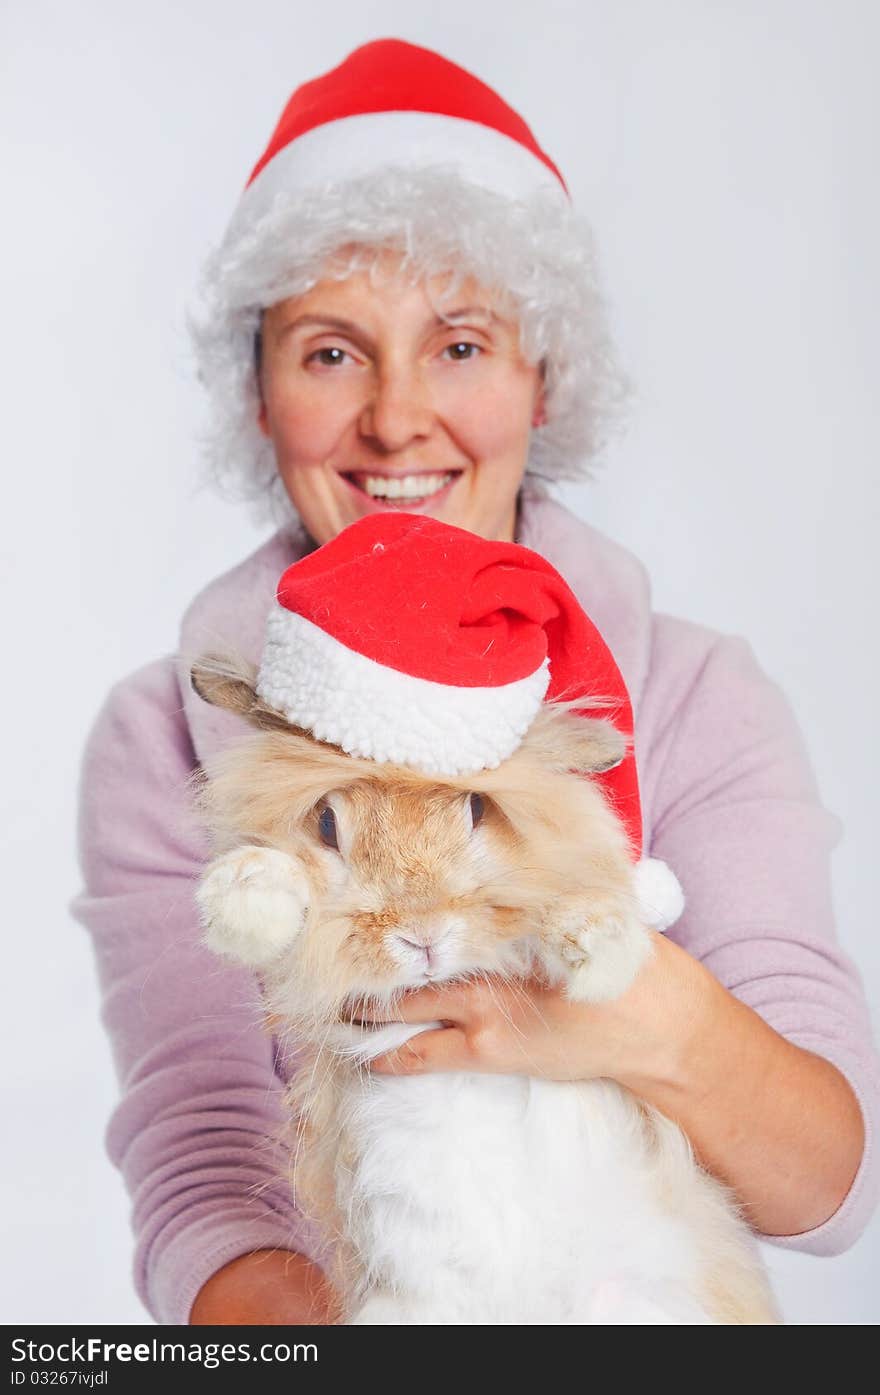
[(402, 486)]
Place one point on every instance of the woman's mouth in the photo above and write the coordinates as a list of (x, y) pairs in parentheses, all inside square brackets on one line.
[(407, 493)]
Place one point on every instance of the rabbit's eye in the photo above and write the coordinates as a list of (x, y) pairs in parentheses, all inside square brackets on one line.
[(327, 827), (478, 808)]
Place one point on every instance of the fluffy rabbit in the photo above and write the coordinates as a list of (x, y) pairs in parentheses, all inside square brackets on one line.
[(459, 1198)]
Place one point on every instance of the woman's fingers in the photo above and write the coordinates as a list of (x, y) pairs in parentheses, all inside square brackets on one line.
[(446, 1003), (445, 1048), (494, 1025)]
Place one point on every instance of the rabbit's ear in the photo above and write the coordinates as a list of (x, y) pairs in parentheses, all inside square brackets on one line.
[(562, 739), (598, 745), (227, 680)]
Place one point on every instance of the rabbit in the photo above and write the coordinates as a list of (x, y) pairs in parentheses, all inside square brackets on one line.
[(454, 1198)]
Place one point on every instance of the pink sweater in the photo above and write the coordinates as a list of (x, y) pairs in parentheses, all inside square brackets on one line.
[(729, 802)]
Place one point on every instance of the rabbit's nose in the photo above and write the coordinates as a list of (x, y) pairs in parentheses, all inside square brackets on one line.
[(424, 942)]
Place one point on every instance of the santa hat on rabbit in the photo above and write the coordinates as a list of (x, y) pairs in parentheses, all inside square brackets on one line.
[(411, 641)]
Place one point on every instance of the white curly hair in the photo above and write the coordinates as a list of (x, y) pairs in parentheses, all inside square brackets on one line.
[(535, 255)]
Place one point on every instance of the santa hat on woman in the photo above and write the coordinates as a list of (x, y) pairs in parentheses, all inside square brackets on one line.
[(408, 640), (399, 147)]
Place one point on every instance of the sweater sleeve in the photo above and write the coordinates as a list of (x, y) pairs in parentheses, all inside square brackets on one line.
[(736, 813), (195, 1130)]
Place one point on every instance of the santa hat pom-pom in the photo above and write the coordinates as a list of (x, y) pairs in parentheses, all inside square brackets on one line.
[(661, 899)]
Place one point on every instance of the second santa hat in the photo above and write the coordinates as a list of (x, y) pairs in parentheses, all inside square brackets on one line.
[(407, 640)]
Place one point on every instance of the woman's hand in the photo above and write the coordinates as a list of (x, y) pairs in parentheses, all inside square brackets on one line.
[(528, 1028), (266, 1288), (779, 1124)]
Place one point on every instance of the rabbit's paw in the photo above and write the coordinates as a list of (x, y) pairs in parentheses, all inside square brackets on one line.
[(596, 955), (252, 902)]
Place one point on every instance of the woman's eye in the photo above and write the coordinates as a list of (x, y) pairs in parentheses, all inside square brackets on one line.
[(462, 351), (328, 358), (478, 808), (327, 827)]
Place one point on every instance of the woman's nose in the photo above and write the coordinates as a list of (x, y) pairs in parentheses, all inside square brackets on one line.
[(398, 411)]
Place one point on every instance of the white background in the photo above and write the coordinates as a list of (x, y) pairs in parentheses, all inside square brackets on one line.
[(725, 153)]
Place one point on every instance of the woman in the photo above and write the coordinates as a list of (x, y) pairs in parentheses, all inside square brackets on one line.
[(404, 314)]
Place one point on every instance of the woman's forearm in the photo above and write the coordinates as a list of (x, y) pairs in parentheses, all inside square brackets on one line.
[(266, 1288), (780, 1125)]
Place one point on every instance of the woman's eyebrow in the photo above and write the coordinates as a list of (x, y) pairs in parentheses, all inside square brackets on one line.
[(349, 327), (466, 310)]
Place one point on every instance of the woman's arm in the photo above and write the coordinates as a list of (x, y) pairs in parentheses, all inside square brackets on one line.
[(200, 1106), (736, 810), (779, 1124), (274, 1288)]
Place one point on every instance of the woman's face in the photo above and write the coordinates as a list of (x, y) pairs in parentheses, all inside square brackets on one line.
[(372, 402)]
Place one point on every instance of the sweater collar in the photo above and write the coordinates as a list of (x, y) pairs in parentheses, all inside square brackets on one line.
[(231, 611)]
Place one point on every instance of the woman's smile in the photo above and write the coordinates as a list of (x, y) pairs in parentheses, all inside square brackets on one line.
[(410, 492)]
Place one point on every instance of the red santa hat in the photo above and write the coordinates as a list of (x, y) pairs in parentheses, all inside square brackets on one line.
[(394, 103), (411, 641)]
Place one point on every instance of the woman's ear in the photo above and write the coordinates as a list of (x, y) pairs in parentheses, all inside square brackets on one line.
[(539, 411), (259, 350)]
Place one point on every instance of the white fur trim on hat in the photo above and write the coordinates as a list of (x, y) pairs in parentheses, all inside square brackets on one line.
[(370, 710), (349, 148), (661, 899)]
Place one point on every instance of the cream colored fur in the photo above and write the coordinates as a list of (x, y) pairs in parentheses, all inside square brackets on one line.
[(457, 1198)]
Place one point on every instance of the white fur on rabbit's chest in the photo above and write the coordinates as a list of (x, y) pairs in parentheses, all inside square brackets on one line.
[(495, 1199)]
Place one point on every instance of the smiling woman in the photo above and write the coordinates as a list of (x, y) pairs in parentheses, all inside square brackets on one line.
[(375, 396), (404, 314)]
